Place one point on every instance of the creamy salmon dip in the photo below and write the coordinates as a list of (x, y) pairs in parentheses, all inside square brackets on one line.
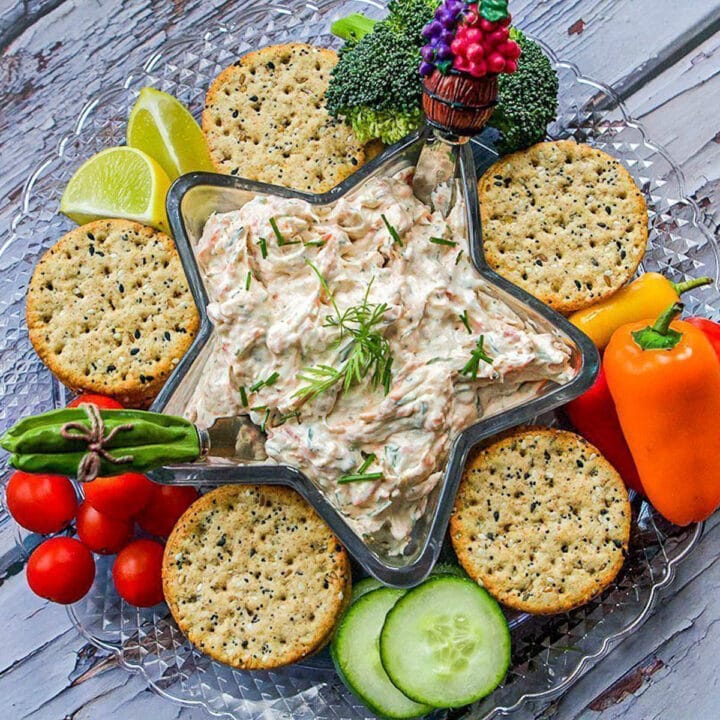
[(279, 270)]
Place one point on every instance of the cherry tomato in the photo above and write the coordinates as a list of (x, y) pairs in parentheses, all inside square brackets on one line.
[(101, 533), (120, 496), (41, 503), (167, 503), (137, 573), (102, 401), (61, 569)]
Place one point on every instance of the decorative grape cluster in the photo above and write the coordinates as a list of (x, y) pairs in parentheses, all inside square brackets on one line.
[(440, 34), (461, 38)]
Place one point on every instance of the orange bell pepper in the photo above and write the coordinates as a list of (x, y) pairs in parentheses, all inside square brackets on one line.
[(665, 381)]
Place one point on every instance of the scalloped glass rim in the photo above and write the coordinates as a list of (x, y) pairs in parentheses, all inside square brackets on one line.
[(673, 214)]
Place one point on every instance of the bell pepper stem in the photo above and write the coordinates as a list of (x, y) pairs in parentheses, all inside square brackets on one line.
[(659, 335), (683, 287), (662, 324)]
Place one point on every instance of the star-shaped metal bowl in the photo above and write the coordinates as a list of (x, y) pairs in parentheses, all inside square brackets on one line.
[(194, 198)]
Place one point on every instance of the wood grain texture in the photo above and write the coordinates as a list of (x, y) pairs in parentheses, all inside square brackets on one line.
[(663, 55)]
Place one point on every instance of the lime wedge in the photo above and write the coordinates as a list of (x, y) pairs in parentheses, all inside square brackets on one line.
[(162, 127), (119, 182)]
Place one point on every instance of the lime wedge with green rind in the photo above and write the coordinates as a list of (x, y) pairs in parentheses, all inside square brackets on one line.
[(162, 127), (120, 182)]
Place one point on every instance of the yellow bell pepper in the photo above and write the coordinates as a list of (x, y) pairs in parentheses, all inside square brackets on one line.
[(643, 298)]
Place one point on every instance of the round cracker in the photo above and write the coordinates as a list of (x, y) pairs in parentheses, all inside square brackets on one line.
[(109, 310), (265, 119), (254, 577), (564, 221), (541, 520)]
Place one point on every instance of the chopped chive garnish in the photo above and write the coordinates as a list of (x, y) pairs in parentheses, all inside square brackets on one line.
[(314, 243), (360, 477), (243, 396), (248, 279), (443, 241), (267, 382), (459, 255), (289, 416), (265, 420), (393, 232), (464, 317), (369, 460), (259, 408), (281, 240), (478, 354), (262, 242)]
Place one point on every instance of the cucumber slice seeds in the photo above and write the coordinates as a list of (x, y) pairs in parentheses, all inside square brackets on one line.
[(355, 652), (445, 643)]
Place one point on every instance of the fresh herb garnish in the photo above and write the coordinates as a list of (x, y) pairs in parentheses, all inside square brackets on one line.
[(361, 474), (459, 255), (314, 243), (281, 240), (478, 354), (267, 382), (360, 478), (259, 408), (443, 241), (243, 396), (289, 416), (248, 279), (393, 232), (464, 317), (366, 353), (265, 420), (262, 242)]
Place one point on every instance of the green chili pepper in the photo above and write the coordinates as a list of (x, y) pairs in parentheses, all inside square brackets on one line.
[(153, 440)]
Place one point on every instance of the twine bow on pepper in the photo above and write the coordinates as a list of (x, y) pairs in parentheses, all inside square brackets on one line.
[(94, 436)]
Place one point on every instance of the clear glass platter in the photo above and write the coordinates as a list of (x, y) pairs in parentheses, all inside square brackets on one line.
[(549, 653)]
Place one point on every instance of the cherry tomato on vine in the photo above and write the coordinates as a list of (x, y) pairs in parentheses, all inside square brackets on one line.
[(167, 503), (119, 496), (137, 573), (102, 401), (40, 502), (61, 569), (101, 533)]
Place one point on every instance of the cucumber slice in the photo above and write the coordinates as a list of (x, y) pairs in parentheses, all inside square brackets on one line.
[(446, 643), (363, 587), (355, 652)]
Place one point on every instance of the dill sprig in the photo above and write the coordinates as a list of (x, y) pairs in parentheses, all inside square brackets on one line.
[(443, 241), (367, 351), (478, 354), (393, 232)]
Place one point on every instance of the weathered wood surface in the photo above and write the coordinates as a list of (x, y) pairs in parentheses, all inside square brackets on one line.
[(664, 58)]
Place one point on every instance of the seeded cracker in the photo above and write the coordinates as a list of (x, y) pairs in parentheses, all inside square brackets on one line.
[(265, 119), (254, 577), (109, 310), (541, 520), (564, 221)]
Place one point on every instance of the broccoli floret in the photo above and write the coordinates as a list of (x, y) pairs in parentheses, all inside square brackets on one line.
[(527, 99), (375, 86), (409, 17)]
